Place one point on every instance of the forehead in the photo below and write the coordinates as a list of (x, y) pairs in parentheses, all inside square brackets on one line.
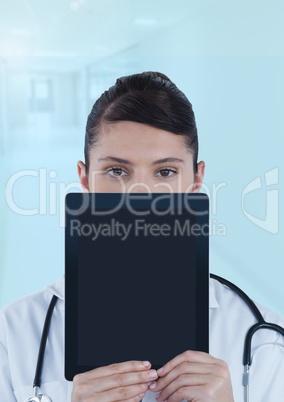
[(138, 138)]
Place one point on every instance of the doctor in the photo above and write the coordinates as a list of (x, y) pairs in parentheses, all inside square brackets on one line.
[(141, 136)]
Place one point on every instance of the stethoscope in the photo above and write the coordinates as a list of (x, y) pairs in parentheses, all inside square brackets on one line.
[(37, 397), (247, 358), (260, 324)]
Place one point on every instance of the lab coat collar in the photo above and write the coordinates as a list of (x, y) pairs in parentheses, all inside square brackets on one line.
[(213, 303), (57, 288)]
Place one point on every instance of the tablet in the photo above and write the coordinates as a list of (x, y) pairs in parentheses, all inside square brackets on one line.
[(136, 278)]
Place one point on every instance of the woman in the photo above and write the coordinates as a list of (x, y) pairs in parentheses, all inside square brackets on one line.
[(141, 136)]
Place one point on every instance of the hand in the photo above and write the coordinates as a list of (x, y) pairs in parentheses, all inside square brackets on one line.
[(195, 377), (126, 381)]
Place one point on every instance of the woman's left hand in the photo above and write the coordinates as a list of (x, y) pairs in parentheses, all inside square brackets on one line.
[(196, 377)]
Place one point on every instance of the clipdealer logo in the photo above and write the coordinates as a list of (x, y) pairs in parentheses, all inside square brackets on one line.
[(271, 221), (49, 195)]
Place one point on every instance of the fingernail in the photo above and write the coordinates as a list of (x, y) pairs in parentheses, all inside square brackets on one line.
[(153, 385), (152, 373), (146, 363), (158, 394), (142, 395), (160, 370)]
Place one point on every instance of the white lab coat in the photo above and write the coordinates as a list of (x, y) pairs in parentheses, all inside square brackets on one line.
[(21, 329)]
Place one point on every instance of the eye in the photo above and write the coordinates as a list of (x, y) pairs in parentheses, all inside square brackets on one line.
[(116, 172), (165, 172)]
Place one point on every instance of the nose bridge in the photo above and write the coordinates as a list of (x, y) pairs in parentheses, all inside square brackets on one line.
[(141, 182), (139, 187)]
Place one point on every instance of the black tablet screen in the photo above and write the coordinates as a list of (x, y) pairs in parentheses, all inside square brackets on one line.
[(136, 288), (136, 284)]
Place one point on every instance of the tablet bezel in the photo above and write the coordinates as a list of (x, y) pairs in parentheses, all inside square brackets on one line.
[(198, 202)]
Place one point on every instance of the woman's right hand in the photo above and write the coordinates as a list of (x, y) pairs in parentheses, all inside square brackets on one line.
[(127, 381)]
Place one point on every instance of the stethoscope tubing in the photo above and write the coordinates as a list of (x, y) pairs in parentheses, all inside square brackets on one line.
[(260, 324), (248, 340), (38, 372)]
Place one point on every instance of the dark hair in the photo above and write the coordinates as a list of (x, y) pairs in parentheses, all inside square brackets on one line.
[(150, 98)]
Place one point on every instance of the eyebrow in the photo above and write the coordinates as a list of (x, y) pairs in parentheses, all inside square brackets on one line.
[(126, 162)]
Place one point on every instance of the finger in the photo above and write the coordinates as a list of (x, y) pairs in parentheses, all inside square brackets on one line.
[(124, 367), (137, 398), (195, 393), (185, 368), (120, 380), (215, 381), (84, 387), (132, 392), (191, 356), (187, 380)]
